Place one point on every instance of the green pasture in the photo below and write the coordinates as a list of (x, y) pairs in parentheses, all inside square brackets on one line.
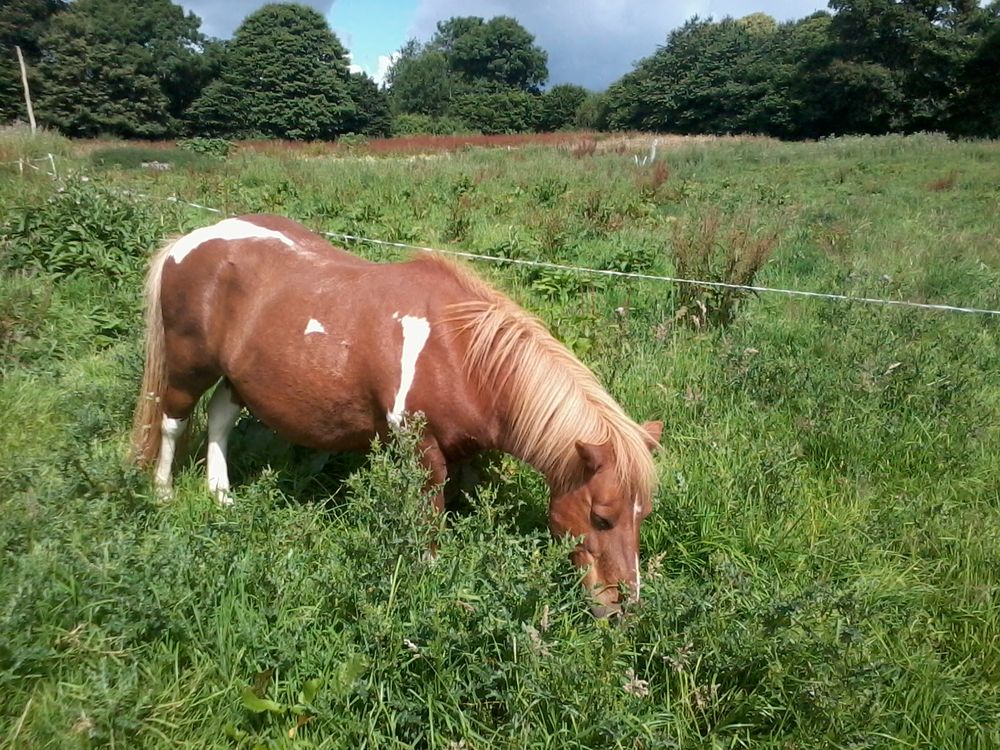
[(822, 565)]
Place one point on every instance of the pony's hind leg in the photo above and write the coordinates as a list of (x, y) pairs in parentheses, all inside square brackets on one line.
[(171, 431), (223, 411)]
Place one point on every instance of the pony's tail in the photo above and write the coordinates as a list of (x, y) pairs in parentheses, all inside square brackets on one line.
[(149, 407)]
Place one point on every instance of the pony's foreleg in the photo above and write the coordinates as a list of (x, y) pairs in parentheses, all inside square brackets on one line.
[(434, 461), (223, 411), (170, 432)]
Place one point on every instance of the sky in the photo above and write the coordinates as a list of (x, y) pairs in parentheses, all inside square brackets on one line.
[(589, 42)]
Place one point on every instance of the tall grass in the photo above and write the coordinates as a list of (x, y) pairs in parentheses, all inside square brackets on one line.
[(819, 570)]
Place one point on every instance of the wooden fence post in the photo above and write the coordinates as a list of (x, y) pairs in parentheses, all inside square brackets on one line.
[(27, 91)]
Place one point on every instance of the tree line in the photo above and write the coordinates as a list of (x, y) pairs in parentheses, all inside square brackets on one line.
[(143, 69)]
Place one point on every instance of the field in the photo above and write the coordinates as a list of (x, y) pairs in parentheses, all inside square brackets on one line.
[(822, 564)]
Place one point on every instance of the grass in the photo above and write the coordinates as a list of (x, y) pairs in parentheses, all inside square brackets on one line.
[(819, 571)]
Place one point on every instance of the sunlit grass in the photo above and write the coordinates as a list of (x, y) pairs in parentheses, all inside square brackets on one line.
[(820, 569)]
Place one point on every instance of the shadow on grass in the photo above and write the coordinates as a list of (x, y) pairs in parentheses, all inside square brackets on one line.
[(310, 477)]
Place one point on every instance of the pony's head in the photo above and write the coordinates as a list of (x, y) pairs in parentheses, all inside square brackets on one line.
[(605, 510)]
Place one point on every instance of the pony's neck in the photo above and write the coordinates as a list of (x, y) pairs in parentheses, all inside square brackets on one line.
[(560, 468)]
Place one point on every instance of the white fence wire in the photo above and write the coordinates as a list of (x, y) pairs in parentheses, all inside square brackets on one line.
[(756, 289)]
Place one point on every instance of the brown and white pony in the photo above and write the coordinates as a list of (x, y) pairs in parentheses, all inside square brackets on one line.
[(330, 350)]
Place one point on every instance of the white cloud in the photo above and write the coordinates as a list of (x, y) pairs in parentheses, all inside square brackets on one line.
[(384, 63), (594, 42), (220, 19)]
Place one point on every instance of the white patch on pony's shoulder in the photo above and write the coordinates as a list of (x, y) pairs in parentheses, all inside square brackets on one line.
[(227, 229), (415, 333), (314, 326)]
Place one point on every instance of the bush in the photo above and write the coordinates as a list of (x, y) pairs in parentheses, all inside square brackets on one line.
[(414, 124), (592, 114), (560, 105), (145, 157), (83, 228), (496, 112), (352, 141), (216, 147)]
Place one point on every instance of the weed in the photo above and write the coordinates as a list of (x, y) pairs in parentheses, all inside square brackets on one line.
[(82, 228), (459, 219), (707, 251), (549, 190), (586, 147), (651, 178), (942, 183), (18, 142)]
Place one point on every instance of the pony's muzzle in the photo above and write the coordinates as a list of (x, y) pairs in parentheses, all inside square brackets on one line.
[(604, 611)]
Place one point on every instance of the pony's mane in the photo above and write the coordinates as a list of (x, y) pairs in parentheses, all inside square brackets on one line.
[(552, 399)]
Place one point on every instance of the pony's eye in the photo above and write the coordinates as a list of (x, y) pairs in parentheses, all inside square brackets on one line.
[(599, 522)]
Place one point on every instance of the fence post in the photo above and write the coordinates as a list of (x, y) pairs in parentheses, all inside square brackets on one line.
[(27, 91)]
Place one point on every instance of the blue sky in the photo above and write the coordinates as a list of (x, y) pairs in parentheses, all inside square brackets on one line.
[(372, 30), (589, 42)]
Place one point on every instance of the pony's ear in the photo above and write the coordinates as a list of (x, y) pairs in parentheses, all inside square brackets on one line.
[(655, 432), (594, 456)]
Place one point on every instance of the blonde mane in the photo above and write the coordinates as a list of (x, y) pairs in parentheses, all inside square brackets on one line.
[(552, 399)]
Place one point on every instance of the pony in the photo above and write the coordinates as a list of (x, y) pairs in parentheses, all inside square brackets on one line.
[(331, 350)]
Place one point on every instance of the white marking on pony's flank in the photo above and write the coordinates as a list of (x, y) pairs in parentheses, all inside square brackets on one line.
[(314, 326), (415, 333), (170, 430), (227, 229), (636, 509)]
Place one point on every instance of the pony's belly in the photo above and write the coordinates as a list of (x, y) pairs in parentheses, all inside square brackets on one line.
[(321, 420)]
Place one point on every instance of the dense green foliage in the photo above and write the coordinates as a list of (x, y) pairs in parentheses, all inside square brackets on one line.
[(22, 23), (560, 107), (874, 66), (123, 67), (485, 74), (499, 51), (372, 115), (819, 569), (143, 69), (285, 75)]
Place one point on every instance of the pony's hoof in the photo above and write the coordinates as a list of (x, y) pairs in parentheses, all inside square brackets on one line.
[(164, 492), (223, 498)]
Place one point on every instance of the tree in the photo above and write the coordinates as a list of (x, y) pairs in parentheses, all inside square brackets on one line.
[(372, 114), (592, 113), (420, 81), (976, 108), (560, 105), (285, 76), (498, 51), (22, 24), (486, 74), (122, 67), (915, 49), (710, 77), (494, 109)]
